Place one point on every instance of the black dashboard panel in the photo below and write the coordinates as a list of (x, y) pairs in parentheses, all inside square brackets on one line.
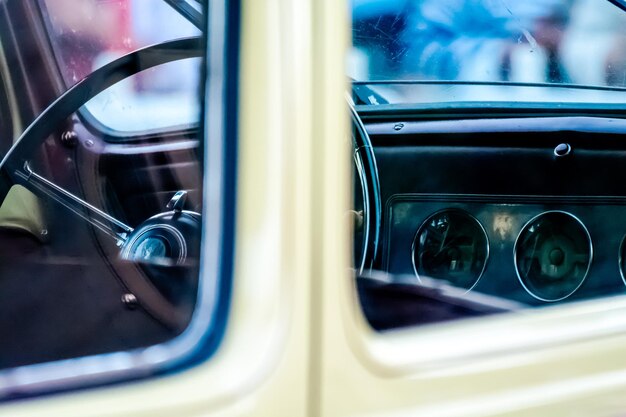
[(501, 170), (504, 173)]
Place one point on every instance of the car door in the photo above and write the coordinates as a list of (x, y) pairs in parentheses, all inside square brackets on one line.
[(247, 342), (414, 337)]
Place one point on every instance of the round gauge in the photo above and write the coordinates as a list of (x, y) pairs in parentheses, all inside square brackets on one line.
[(451, 245), (553, 254)]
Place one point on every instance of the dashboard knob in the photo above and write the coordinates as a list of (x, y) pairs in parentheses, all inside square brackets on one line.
[(562, 149)]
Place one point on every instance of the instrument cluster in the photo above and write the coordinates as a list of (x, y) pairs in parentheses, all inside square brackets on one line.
[(533, 250)]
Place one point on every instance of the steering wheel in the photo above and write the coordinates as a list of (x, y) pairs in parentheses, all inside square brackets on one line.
[(367, 172), (164, 240)]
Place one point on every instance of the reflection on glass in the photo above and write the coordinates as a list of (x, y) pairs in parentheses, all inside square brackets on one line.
[(91, 33), (533, 41)]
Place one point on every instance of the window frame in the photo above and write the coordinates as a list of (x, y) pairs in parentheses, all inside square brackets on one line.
[(416, 349)]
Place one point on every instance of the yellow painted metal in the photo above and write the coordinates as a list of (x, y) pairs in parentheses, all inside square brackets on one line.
[(296, 343), (575, 366)]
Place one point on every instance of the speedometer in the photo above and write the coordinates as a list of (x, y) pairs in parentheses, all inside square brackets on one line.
[(451, 245), (553, 254)]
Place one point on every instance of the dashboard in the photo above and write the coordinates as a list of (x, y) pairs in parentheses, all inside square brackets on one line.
[(525, 211)]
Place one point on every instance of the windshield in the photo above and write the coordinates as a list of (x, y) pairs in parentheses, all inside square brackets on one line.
[(89, 34), (545, 43)]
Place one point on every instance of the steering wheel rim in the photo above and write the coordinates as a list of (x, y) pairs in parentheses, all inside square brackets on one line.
[(367, 170), (15, 169)]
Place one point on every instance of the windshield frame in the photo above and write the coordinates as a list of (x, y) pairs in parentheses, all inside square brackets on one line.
[(367, 99)]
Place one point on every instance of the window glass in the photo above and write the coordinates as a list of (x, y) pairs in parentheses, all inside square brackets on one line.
[(464, 210), (143, 102), (89, 34), (453, 45), (100, 242)]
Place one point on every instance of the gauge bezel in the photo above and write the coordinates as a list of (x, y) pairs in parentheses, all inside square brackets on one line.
[(515, 249), (470, 217)]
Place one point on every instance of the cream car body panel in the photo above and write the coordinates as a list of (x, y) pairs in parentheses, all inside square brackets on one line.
[(296, 342)]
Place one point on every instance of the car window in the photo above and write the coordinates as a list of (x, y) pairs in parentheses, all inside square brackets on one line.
[(465, 208), (101, 273), (96, 32)]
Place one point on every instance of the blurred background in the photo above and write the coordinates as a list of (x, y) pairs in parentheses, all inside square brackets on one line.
[(530, 41)]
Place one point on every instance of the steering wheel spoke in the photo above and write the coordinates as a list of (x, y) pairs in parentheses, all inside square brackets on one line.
[(146, 250), (96, 217), (365, 163)]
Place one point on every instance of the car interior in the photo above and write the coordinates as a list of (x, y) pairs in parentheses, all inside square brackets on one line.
[(488, 221), (100, 233)]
